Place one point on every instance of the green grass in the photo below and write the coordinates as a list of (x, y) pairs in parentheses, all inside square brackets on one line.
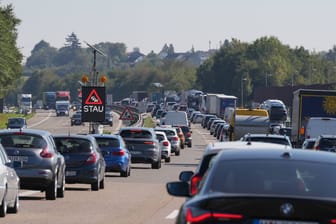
[(149, 122), (4, 118)]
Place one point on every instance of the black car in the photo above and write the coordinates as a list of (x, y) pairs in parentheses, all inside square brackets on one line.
[(187, 135), (263, 186), (76, 119), (84, 161), (42, 166)]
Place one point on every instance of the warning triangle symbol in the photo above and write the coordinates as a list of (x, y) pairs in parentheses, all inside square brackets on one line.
[(126, 114), (93, 98)]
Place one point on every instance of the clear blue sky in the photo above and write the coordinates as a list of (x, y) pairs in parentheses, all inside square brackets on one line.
[(149, 24)]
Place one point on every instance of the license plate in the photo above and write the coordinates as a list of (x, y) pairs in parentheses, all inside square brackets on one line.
[(135, 152), (70, 173), (18, 158), (268, 221)]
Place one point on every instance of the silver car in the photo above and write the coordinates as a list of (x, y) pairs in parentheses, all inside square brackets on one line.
[(42, 166), (9, 185)]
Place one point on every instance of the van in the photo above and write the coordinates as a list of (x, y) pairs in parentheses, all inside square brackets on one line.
[(175, 118), (320, 126)]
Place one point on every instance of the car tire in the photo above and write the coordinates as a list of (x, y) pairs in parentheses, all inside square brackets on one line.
[(3, 207), (156, 165), (16, 206), (167, 160), (129, 171), (61, 189), (102, 184), (124, 173), (51, 191), (95, 185)]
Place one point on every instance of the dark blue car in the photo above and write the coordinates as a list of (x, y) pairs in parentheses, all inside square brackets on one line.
[(116, 155)]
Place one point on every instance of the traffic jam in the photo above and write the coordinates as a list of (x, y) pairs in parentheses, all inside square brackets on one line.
[(257, 158)]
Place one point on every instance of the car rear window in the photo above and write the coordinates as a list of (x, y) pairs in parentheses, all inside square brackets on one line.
[(21, 140), (108, 142), (328, 143), (73, 145), (170, 133), (282, 141), (136, 133), (275, 177)]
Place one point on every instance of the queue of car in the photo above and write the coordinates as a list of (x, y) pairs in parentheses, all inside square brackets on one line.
[(259, 178)]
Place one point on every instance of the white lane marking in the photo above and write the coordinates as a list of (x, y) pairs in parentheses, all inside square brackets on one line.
[(172, 215), (41, 121), (27, 193)]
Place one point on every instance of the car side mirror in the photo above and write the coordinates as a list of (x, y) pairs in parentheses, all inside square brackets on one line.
[(185, 176)]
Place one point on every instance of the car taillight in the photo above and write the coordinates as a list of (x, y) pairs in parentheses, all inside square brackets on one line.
[(118, 153), (333, 221), (175, 138), (149, 143), (317, 147), (194, 183), (201, 216), (189, 134), (45, 154), (92, 159), (165, 143)]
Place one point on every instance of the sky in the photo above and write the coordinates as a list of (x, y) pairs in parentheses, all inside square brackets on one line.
[(149, 24)]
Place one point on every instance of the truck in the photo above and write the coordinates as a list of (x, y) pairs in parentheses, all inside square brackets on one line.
[(25, 103), (139, 95), (245, 121), (309, 103), (217, 103), (63, 96), (62, 108), (49, 100), (62, 104)]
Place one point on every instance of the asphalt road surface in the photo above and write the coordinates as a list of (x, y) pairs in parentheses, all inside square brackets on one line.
[(139, 198)]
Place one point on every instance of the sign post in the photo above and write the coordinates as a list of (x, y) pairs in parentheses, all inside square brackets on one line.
[(93, 97)]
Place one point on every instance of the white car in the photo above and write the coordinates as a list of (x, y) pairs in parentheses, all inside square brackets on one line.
[(165, 145), (270, 138)]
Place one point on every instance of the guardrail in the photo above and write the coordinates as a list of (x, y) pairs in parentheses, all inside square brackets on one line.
[(138, 121)]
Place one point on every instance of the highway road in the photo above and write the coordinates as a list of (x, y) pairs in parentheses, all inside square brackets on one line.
[(140, 198)]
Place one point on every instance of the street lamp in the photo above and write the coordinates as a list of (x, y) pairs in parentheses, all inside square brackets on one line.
[(242, 90)]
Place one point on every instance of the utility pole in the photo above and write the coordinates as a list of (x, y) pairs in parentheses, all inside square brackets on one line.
[(93, 127)]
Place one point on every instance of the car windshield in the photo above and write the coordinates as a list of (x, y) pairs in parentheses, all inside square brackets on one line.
[(275, 177)]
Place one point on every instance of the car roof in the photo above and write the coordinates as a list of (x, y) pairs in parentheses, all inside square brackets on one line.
[(271, 153), (26, 130), (215, 147), (265, 135), (105, 135), (89, 137)]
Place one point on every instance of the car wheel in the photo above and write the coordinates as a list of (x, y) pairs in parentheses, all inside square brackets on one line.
[(3, 207), (167, 160), (157, 164), (102, 184), (51, 191), (61, 189), (129, 171), (124, 173), (16, 206), (95, 185)]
